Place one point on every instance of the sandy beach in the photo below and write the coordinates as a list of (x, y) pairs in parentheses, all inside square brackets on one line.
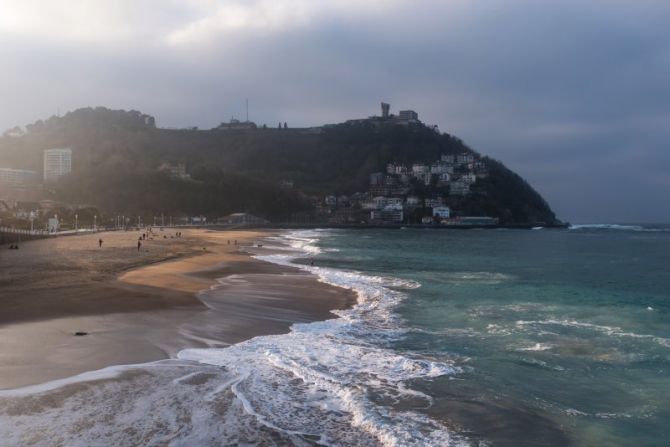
[(138, 306)]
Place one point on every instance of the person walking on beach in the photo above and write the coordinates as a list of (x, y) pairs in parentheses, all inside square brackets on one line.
[(99, 243), (139, 245)]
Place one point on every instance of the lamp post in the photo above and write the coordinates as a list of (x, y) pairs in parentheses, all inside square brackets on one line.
[(76, 222), (95, 221)]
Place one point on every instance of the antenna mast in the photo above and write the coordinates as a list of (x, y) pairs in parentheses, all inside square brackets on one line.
[(247, 110)]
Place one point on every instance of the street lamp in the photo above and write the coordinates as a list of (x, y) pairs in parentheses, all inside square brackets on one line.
[(95, 222), (76, 222)]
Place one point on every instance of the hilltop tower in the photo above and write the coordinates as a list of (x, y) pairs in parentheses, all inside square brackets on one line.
[(385, 110)]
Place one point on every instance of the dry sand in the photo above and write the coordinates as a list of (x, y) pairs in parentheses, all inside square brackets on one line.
[(142, 306)]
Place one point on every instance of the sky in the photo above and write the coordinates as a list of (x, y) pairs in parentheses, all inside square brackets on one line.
[(574, 95)]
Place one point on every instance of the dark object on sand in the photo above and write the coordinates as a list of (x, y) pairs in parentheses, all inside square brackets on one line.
[(80, 333)]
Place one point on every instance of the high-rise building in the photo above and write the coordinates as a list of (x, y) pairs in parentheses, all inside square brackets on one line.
[(57, 163), (17, 178)]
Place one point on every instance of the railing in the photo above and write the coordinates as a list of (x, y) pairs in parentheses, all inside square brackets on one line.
[(22, 231)]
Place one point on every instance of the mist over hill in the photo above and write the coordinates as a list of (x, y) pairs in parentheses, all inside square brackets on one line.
[(117, 158)]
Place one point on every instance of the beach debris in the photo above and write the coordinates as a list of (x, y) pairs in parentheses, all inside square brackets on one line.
[(80, 333)]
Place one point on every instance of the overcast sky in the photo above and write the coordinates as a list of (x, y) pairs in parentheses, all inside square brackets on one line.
[(574, 94)]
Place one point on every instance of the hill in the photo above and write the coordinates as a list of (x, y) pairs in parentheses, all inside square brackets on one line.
[(118, 155)]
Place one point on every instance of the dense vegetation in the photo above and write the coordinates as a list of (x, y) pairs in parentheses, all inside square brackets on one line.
[(116, 155)]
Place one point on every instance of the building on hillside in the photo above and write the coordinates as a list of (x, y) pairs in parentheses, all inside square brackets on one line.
[(444, 178), (442, 212), (17, 178), (412, 201), (434, 202), (469, 178), (465, 158), (459, 188), (388, 214), (385, 110), (427, 178), (235, 124), (408, 116), (57, 163), (449, 159), (376, 178), (330, 200), (419, 169)]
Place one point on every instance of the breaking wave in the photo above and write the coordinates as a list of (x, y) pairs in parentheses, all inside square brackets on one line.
[(325, 383), (618, 227)]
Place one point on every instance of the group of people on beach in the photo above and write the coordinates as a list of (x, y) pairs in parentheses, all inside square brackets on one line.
[(14, 247), (144, 236)]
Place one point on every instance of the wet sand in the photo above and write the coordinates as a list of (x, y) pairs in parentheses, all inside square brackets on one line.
[(142, 306)]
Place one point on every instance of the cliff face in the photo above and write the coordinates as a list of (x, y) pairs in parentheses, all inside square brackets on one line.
[(116, 155)]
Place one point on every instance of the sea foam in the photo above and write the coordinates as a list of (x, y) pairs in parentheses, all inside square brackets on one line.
[(333, 382)]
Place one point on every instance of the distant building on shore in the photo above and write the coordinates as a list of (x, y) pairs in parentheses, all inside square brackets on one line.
[(17, 178), (235, 124), (57, 163)]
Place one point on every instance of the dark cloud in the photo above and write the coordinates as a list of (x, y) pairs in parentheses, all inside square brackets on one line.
[(572, 94)]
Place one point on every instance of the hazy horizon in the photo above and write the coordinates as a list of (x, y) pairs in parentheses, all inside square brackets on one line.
[(572, 96)]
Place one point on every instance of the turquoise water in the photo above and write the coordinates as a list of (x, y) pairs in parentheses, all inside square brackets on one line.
[(562, 336)]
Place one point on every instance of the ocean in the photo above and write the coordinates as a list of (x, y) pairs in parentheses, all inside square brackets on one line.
[(554, 337), (488, 337)]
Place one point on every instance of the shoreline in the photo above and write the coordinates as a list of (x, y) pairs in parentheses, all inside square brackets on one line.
[(185, 297)]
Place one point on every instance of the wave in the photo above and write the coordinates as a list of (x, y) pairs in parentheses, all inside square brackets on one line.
[(332, 382), (608, 330), (470, 277), (618, 227)]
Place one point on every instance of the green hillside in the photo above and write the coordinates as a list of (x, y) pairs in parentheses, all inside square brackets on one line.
[(116, 156)]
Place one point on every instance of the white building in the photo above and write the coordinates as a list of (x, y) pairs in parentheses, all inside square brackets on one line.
[(16, 178), (434, 202), (445, 177), (394, 168), (449, 159), (331, 200), (57, 163), (419, 169), (408, 115), (412, 200), (469, 178), (465, 158), (388, 214), (441, 211), (459, 188)]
